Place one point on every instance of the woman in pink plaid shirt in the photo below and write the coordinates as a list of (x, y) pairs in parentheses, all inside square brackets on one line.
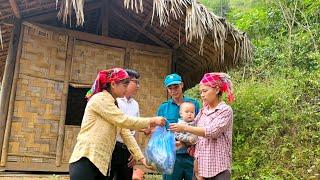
[(214, 128)]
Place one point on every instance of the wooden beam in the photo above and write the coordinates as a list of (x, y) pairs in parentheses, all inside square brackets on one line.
[(100, 39), (180, 43), (4, 152), (8, 78), (105, 18), (140, 29), (70, 50), (127, 58), (99, 22), (145, 23), (53, 14), (15, 8)]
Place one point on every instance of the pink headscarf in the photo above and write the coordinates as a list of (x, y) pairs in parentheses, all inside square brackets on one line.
[(104, 77), (220, 80)]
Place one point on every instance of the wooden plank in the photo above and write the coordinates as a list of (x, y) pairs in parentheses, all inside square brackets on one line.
[(8, 78), (15, 8), (100, 39), (49, 167), (31, 155), (174, 61), (105, 18), (127, 57), (99, 22), (5, 144), (53, 14), (140, 29), (145, 23), (77, 85), (180, 43), (70, 50)]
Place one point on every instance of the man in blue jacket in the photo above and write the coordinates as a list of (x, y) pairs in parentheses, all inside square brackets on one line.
[(183, 168)]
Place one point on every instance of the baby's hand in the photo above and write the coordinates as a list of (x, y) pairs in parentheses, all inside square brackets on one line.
[(179, 145)]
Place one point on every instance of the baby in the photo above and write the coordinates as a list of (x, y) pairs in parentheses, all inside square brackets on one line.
[(187, 114), (188, 140)]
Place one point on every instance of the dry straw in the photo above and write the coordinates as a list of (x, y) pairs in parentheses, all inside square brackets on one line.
[(199, 23)]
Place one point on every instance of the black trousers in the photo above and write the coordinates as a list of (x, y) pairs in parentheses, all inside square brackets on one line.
[(224, 175), (84, 169), (119, 163)]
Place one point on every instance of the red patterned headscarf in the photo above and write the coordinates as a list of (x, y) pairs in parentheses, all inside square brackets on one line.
[(104, 77), (220, 80)]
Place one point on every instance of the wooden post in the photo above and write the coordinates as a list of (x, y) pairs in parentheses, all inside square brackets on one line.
[(15, 8), (70, 48), (5, 145), (105, 17), (174, 61), (8, 77), (127, 58)]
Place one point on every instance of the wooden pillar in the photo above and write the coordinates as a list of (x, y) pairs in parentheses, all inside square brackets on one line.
[(70, 48), (105, 17), (127, 58), (8, 78), (174, 61), (4, 152)]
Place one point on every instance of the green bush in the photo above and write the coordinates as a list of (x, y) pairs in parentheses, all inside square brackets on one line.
[(276, 129)]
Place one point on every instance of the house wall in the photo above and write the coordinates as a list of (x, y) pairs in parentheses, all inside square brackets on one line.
[(33, 139)]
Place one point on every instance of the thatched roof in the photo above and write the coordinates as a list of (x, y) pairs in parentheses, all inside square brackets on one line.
[(200, 40)]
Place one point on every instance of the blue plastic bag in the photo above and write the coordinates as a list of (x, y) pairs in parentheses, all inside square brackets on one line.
[(161, 150)]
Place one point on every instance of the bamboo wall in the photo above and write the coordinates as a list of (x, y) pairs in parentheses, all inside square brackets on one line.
[(36, 114), (38, 104)]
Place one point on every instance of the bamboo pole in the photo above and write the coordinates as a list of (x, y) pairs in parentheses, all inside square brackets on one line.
[(70, 49), (127, 57), (4, 152), (8, 78)]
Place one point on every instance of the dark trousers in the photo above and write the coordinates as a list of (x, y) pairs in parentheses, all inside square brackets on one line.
[(119, 163), (183, 168), (84, 169), (224, 175)]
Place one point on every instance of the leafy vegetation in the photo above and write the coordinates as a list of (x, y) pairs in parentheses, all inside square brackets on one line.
[(277, 108)]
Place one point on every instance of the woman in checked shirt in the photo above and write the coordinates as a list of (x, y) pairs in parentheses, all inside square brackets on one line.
[(214, 128)]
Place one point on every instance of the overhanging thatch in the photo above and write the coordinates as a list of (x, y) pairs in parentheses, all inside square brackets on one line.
[(200, 40)]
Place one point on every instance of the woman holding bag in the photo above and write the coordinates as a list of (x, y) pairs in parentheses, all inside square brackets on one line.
[(92, 153)]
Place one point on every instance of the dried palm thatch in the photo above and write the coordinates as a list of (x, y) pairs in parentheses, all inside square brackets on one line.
[(65, 11), (199, 22)]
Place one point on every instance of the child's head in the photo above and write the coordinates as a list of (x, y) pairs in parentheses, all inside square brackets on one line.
[(187, 111)]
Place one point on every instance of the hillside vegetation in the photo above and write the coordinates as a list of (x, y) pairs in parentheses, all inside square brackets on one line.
[(276, 133)]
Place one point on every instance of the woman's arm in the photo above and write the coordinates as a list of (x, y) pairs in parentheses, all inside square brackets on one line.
[(130, 141), (199, 131), (104, 106), (213, 130)]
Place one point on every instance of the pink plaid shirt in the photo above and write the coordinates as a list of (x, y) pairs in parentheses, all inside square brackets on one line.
[(213, 151)]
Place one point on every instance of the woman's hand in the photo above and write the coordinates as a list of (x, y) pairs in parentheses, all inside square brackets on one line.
[(132, 162), (144, 162), (157, 121), (177, 127)]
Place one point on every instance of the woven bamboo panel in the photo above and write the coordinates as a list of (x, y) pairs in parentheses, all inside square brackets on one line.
[(46, 51), (90, 58), (35, 120), (152, 68), (70, 137)]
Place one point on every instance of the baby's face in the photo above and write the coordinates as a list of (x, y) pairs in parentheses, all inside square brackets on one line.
[(187, 112)]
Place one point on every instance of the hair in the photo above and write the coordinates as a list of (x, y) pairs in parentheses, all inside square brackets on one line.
[(185, 103), (132, 73), (107, 87)]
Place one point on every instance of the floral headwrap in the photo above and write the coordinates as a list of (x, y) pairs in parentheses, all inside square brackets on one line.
[(104, 77), (220, 80)]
